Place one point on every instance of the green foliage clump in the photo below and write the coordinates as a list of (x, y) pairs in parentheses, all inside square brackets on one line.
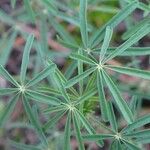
[(76, 97)]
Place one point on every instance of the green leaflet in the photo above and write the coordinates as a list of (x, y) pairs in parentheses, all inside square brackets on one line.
[(111, 117), (42, 98), (86, 96), (102, 99), (137, 123), (71, 69), (67, 133), (105, 45), (53, 120), (130, 145), (82, 58), (139, 134), (66, 36), (145, 29), (25, 59), (134, 29), (77, 78), (131, 51), (131, 71), (78, 132), (122, 105), (43, 74), (83, 22), (29, 10), (6, 49), (4, 116), (7, 91), (119, 17), (54, 109), (97, 137), (7, 76), (33, 121), (60, 84)]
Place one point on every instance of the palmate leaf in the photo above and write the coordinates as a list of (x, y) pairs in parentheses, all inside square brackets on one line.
[(83, 22), (33, 121), (7, 76), (78, 132), (4, 116), (77, 78), (13, 3), (102, 99), (137, 123), (122, 105), (144, 30), (67, 133), (131, 71), (118, 18), (25, 59), (43, 74)]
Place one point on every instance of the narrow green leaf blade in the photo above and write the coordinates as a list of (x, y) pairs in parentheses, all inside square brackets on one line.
[(53, 120), (7, 76), (144, 30), (78, 132), (97, 137), (67, 133), (34, 122), (105, 45), (82, 58), (29, 10), (77, 78), (4, 116), (118, 18), (83, 22), (25, 59), (7, 91), (112, 118), (122, 105), (101, 96), (43, 74), (42, 98), (137, 123), (131, 71)]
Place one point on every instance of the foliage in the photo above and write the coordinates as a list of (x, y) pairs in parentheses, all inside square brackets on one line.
[(75, 94)]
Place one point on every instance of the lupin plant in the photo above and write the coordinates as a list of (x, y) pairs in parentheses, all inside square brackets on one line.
[(75, 95)]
